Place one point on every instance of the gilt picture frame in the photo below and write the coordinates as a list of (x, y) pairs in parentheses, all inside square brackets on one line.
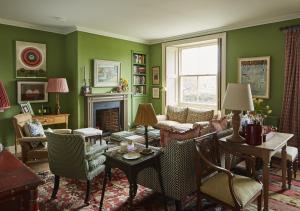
[(256, 72), (32, 91), (107, 73)]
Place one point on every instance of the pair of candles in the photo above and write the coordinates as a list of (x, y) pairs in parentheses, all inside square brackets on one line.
[(126, 146)]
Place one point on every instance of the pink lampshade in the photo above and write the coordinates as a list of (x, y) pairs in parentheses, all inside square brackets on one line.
[(57, 85), (4, 101)]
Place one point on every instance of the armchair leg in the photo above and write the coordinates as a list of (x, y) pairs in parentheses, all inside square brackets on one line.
[(88, 191), (56, 186), (259, 200), (289, 173), (178, 205)]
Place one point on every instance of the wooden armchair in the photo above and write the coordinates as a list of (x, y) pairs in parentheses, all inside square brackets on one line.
[(220, 185), (28, 152)]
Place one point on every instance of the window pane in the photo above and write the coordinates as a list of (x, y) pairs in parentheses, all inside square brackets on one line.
[(188, 89), (199, 90), (207, 90), (199, 60)]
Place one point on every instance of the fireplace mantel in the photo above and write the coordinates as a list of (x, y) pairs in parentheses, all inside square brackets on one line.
[(91, 99)]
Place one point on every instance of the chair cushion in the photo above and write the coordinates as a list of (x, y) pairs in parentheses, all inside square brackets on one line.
[(217, 186), (177, 114), (98, 160), (168, 135), (196, 115), (291, 153)]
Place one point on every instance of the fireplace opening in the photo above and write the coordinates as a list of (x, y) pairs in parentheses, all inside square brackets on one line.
[(108, 120)]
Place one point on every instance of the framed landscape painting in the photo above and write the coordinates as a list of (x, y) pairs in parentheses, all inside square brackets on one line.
[(32, 91), (30, 60), (106, 73), (256, 72)]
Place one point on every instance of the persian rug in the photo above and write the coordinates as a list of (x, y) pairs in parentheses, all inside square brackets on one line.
[(71, 195)]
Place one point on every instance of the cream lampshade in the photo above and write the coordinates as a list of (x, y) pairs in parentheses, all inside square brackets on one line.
[(146, 116), (57, 85), (238, 97)]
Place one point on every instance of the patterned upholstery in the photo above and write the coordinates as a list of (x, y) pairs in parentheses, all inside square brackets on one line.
[(68, 156), (196, 115), (177, 114)]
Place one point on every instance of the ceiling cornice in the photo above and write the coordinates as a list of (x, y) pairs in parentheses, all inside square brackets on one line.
[(67, 30), (228, 28)]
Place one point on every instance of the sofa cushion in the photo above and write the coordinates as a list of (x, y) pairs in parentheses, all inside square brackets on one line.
[(244, 187), (219, 124), (173, 125), (177, 114), (196, 115), (168, 135)]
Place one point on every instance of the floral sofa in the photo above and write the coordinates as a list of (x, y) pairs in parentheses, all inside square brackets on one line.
[(184, 118)]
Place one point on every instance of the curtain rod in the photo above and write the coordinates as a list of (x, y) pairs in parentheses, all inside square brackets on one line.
[(290, 27)]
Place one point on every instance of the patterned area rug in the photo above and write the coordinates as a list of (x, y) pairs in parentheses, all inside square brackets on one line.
[(72, 192)]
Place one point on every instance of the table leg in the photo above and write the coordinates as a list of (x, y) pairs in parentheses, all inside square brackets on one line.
[(132, 187), (158, 170), (266, 173), (283, 167), (106, 173)]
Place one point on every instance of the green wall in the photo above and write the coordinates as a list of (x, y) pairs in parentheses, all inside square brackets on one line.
[(55, 68), (264, 40), (91, 46)]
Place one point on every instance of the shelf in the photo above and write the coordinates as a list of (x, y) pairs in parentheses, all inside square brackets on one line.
[(140, 74), (139, 84), (139, 95), (138, 64)]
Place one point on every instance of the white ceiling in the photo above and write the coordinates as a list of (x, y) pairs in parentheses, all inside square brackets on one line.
[(147, 21)]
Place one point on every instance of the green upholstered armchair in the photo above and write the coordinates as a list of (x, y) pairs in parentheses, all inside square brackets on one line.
[(70, 156)]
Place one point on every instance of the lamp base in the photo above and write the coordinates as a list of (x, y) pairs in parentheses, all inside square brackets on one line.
[(146, 151), (235, 139)]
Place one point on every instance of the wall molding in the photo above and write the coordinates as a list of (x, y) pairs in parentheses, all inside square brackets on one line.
[(67, 30)]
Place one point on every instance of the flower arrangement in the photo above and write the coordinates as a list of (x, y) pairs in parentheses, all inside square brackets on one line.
[(261, 110), (123, 85)]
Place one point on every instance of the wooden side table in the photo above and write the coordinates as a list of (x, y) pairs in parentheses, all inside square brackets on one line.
[(18, 184), (53, 119), (131, 169)]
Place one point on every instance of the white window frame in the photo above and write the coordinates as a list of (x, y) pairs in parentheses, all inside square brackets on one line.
[(221, 36)]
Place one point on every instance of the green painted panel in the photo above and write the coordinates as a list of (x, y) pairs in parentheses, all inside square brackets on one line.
[(55, 67), (91, 46)]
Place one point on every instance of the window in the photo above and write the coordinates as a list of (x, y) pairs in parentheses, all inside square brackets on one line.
[(198, 75), (195, 72)]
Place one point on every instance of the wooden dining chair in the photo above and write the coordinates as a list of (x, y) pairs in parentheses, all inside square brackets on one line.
[(220, 185)]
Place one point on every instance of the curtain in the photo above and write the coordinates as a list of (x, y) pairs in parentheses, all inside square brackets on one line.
[(290, 113)]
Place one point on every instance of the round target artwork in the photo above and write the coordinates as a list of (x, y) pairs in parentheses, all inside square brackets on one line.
[(30, 60)]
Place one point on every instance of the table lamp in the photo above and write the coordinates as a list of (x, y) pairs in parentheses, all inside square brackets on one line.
[(57, 85), (4, 101), (146, 116), (237, 98)]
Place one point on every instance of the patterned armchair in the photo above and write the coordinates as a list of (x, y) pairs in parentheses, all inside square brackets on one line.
[(70, 156), (178, 170)]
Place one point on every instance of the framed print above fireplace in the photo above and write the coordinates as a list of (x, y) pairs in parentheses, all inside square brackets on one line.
[(32, 91), (106, 73)]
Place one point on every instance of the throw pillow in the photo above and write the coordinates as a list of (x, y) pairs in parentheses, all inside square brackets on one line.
[(177, 114), (196, 115), (219, 125), (34, 129), (168, 135)]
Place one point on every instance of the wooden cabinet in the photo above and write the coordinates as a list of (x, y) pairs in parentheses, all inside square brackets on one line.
[(53, 119), (18, 184), (139, 74)]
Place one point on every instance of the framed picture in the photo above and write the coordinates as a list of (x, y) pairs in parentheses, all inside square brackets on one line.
[(106, 73), (256, 72), (155, 93), (30, 60), (32, 91), (155, 76), (26, 108)]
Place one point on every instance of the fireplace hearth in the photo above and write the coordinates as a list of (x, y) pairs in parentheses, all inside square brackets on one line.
[(108, 112)]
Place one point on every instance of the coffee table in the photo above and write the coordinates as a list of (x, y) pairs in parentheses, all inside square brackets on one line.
[(131, 168)]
